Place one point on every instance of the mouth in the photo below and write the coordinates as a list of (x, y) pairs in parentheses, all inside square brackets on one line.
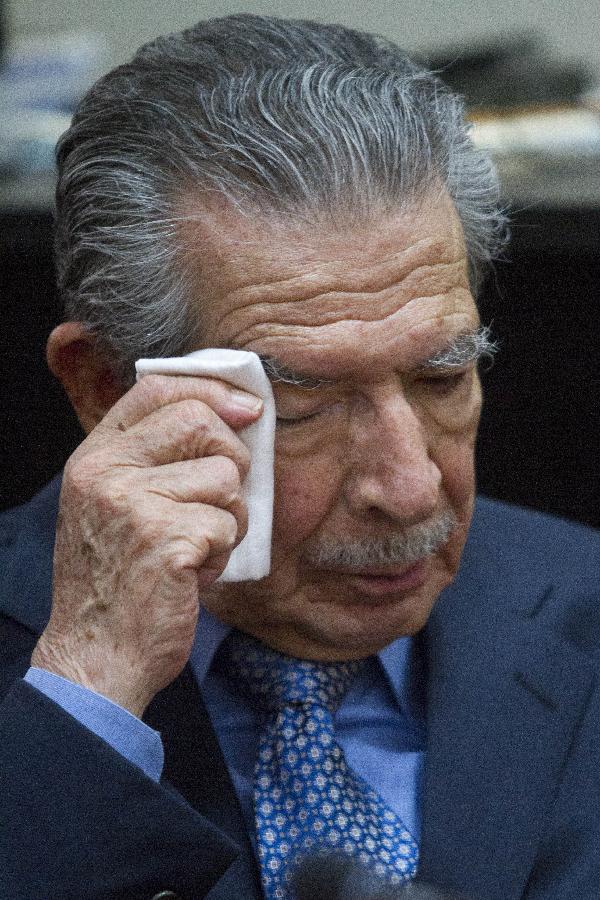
[(379, 583)]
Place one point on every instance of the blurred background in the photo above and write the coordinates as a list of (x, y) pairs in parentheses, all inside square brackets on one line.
[(530, 72)]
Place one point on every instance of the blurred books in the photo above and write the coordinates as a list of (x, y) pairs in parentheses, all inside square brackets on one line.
[(538, 116), (41, 80)]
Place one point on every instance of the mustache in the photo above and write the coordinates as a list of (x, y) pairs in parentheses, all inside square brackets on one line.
[(399, 548)]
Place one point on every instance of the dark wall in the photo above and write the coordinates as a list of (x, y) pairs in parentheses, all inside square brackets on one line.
[(540, 433), (539, 441), (38, 429)]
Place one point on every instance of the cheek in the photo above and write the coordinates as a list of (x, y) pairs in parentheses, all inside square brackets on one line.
[(455, 458), (306, 490), (453, 451)]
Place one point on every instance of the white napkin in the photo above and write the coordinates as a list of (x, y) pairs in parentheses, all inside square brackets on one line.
[(251, 559)]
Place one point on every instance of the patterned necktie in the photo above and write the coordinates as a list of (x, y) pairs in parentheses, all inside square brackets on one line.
[(306, 798)]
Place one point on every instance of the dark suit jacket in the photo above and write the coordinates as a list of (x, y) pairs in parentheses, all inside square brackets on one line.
[(511, 805)]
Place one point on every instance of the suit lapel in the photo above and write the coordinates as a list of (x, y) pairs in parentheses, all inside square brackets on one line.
[(194, 764), (26, 553), (504, 698), (195, 767)]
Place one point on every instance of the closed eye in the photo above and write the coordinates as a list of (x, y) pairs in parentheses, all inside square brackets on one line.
[(442, 383), (327, 409), (297, 420)]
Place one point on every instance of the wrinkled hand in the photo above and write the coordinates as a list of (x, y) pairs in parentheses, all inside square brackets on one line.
[(150, 510)]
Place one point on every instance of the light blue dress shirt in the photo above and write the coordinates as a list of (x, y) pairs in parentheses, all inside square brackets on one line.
[(380, 724)]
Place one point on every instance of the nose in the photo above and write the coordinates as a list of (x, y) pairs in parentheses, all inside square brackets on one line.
[(390, 469)]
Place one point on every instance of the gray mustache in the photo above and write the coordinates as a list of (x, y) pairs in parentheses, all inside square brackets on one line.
[(401, 548)]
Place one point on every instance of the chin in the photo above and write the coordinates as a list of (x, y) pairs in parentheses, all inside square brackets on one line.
[(338, 631)]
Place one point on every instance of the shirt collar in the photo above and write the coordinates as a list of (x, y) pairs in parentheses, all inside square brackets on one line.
[(400, 661), (403, 665), (210, 634)]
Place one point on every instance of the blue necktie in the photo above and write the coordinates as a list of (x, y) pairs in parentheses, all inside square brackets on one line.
[(306, 798)]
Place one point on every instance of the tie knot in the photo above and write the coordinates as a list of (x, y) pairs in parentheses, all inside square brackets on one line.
[(272, 680)]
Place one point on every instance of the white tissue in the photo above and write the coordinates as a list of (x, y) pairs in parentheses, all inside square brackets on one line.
[(251, 559)]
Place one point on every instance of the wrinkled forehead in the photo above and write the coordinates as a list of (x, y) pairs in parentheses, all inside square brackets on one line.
[(213, 232), (300, 294)]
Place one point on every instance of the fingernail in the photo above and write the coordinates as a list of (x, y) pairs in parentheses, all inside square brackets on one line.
[(246, 401)]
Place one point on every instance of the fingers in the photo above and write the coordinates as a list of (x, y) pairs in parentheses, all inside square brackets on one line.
[(200, 536), (214, 481), (153, 392), (187, 429)]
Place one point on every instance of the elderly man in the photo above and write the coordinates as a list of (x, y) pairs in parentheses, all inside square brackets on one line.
[(413, 684)]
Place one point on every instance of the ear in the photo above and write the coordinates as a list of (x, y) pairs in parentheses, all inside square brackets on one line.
[(84, 373)]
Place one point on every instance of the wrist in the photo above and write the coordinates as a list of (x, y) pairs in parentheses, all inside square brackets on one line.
[(107, 677)]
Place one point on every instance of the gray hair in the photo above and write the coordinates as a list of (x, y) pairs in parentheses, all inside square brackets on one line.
[(284, 118)]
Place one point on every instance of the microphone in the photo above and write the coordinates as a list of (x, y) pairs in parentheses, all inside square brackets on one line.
[(338, 877)]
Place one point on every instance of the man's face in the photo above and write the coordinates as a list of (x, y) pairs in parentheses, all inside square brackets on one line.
[(376, 449)]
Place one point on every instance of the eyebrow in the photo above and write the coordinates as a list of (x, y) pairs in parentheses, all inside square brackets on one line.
[(277, 372), (463, 349), (471, 346)]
